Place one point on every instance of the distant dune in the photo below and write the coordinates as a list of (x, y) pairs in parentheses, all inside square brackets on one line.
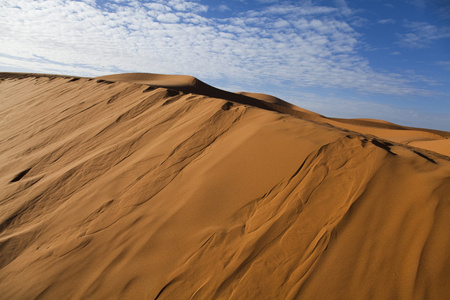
[(148, 186)]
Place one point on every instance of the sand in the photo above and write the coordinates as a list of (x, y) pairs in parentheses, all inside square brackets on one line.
[(147, 186)]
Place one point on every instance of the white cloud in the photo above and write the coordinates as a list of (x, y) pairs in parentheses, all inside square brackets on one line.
[(421, 34), (281, 24), (387, 21), (168, 18), (157, 7), (282, 45), (223, 8), (342, 4), (444, 64), (296, 10), (267, 1), (418, 3), (182, 5)]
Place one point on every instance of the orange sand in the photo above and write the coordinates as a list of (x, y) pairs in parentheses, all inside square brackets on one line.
[(145, 186)]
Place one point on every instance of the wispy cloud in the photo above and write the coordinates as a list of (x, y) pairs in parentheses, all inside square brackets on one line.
[(223, 8), (267, 1), (421, 34), (387, 21), (182, 5), (302, 45), (444, 64), (418, 3), (351, 107)]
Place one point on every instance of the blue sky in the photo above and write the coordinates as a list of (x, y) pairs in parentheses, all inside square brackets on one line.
[(365, 58)]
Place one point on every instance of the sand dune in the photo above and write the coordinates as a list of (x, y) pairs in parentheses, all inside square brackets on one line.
[(383, 129), (144, 186)]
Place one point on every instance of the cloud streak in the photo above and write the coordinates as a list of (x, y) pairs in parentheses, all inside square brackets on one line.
[(421, 34)]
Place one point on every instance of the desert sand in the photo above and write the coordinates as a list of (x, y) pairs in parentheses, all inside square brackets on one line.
[(147, 186)]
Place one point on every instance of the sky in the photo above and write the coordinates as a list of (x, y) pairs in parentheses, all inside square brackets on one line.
[(376, 59)]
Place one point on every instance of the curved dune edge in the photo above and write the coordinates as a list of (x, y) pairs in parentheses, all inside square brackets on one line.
[(383, 129), (415, 137), (189, 84), (115, 190)]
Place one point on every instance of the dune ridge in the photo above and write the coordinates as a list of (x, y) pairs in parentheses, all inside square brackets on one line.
[(380, 128), (190, 84), (121, 189)]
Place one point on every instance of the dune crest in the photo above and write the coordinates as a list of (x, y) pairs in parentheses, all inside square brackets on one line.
[(147, 186), (159, 80), (383, 129)]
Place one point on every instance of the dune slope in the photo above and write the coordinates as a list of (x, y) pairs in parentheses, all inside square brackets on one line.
[(429, 139), (117, 190)]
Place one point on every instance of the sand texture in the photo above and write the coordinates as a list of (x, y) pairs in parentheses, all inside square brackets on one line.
[(146, 186)]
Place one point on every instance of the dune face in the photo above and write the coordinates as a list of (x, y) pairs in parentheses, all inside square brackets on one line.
[(115, 188)]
